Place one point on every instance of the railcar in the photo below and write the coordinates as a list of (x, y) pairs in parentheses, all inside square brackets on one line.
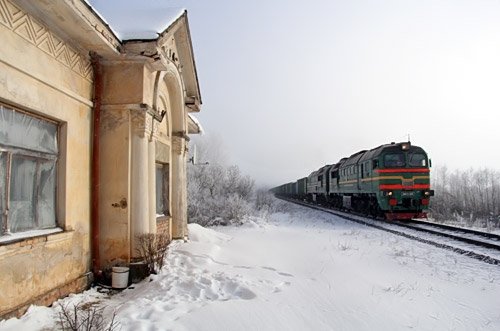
[(317, 184), (391, 181), (302, 188)]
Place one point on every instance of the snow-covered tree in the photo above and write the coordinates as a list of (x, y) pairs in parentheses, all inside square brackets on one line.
[(217, 193), (470, 196)]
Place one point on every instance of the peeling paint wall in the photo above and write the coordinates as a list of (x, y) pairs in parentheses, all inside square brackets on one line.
[(46, 75), (43, 74)]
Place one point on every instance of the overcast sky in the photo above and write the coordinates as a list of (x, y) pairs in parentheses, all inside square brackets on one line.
[(293, 85)]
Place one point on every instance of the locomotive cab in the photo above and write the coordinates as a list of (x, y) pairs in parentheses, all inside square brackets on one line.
[(403, 181)]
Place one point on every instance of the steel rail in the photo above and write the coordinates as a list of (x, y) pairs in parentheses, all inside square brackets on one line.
[(472, 241), (488, 235)]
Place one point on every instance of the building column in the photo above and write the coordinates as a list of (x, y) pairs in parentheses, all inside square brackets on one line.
[(152, 185), (139, 180), (179, 189)]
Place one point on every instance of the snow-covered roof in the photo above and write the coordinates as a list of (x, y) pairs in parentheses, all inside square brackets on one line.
[(195, 125), (129, 19)]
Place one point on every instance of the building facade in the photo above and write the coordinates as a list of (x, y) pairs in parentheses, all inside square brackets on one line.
[(93, 145)]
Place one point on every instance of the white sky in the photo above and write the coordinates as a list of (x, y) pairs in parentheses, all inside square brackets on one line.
[(293, 85)]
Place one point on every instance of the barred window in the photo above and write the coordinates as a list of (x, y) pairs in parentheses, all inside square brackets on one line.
[(28, 171)]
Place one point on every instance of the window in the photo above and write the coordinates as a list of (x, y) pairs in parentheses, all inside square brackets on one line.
[(28, 171), (417, 160), (394, 160), (162, 186)]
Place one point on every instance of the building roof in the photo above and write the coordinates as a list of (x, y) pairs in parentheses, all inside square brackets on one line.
[(137, 20), (194, 126), (85, 29), (152, 20)]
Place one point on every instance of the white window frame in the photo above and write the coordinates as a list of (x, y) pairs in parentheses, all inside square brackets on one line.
[(10, 152)]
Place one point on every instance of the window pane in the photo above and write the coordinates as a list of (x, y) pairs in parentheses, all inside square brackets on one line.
[(160, 185), (46, 207), (394, 160), (21, 214), (23, 131), (417, 160)]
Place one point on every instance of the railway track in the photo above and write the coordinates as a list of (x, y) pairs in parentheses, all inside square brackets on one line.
[(475, 244), (474, 237)]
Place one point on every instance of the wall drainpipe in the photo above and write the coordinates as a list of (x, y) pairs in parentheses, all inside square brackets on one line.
[(96, 263)]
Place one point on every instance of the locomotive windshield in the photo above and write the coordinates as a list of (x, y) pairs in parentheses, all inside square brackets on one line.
[(417, 160), (397, 160), (394, 160)]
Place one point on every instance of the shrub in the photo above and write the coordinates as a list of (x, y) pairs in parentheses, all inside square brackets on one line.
[(84, 317), (152, 248)]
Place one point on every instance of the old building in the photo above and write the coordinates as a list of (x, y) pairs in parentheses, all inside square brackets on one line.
[(93, 144)]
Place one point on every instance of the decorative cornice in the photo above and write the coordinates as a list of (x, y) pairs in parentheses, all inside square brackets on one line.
[(24, 25)]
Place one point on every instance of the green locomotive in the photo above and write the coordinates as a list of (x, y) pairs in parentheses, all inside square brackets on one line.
[(391, 181)]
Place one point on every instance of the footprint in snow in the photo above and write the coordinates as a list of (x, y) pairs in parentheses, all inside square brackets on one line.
[(278, 288), (285, 274)]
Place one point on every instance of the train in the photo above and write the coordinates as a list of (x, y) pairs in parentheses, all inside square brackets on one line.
[(391, 181)]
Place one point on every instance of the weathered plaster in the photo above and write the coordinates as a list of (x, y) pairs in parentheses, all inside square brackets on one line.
[(43, 75), (45, 70)]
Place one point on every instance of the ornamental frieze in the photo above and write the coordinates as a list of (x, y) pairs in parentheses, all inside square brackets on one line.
[(24, 25)]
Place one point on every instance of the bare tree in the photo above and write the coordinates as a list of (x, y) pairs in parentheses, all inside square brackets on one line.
[(471, 196)]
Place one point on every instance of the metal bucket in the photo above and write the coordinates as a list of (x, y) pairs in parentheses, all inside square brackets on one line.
[(119, 277)]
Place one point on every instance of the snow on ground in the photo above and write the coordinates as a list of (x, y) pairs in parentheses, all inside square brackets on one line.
[(301, 270)]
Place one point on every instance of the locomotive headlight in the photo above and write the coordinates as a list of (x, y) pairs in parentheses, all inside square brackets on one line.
[(405, 146), (429, 193), (388, 193)]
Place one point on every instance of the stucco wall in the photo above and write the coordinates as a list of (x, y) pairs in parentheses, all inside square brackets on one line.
[(42, 74), (115, 167)]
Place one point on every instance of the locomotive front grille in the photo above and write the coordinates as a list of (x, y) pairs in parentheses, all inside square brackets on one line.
[(407, 184)]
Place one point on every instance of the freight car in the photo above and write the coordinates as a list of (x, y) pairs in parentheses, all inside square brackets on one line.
[(390, 181)]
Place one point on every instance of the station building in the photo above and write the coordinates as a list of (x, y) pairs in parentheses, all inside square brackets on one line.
[(93, 144)]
